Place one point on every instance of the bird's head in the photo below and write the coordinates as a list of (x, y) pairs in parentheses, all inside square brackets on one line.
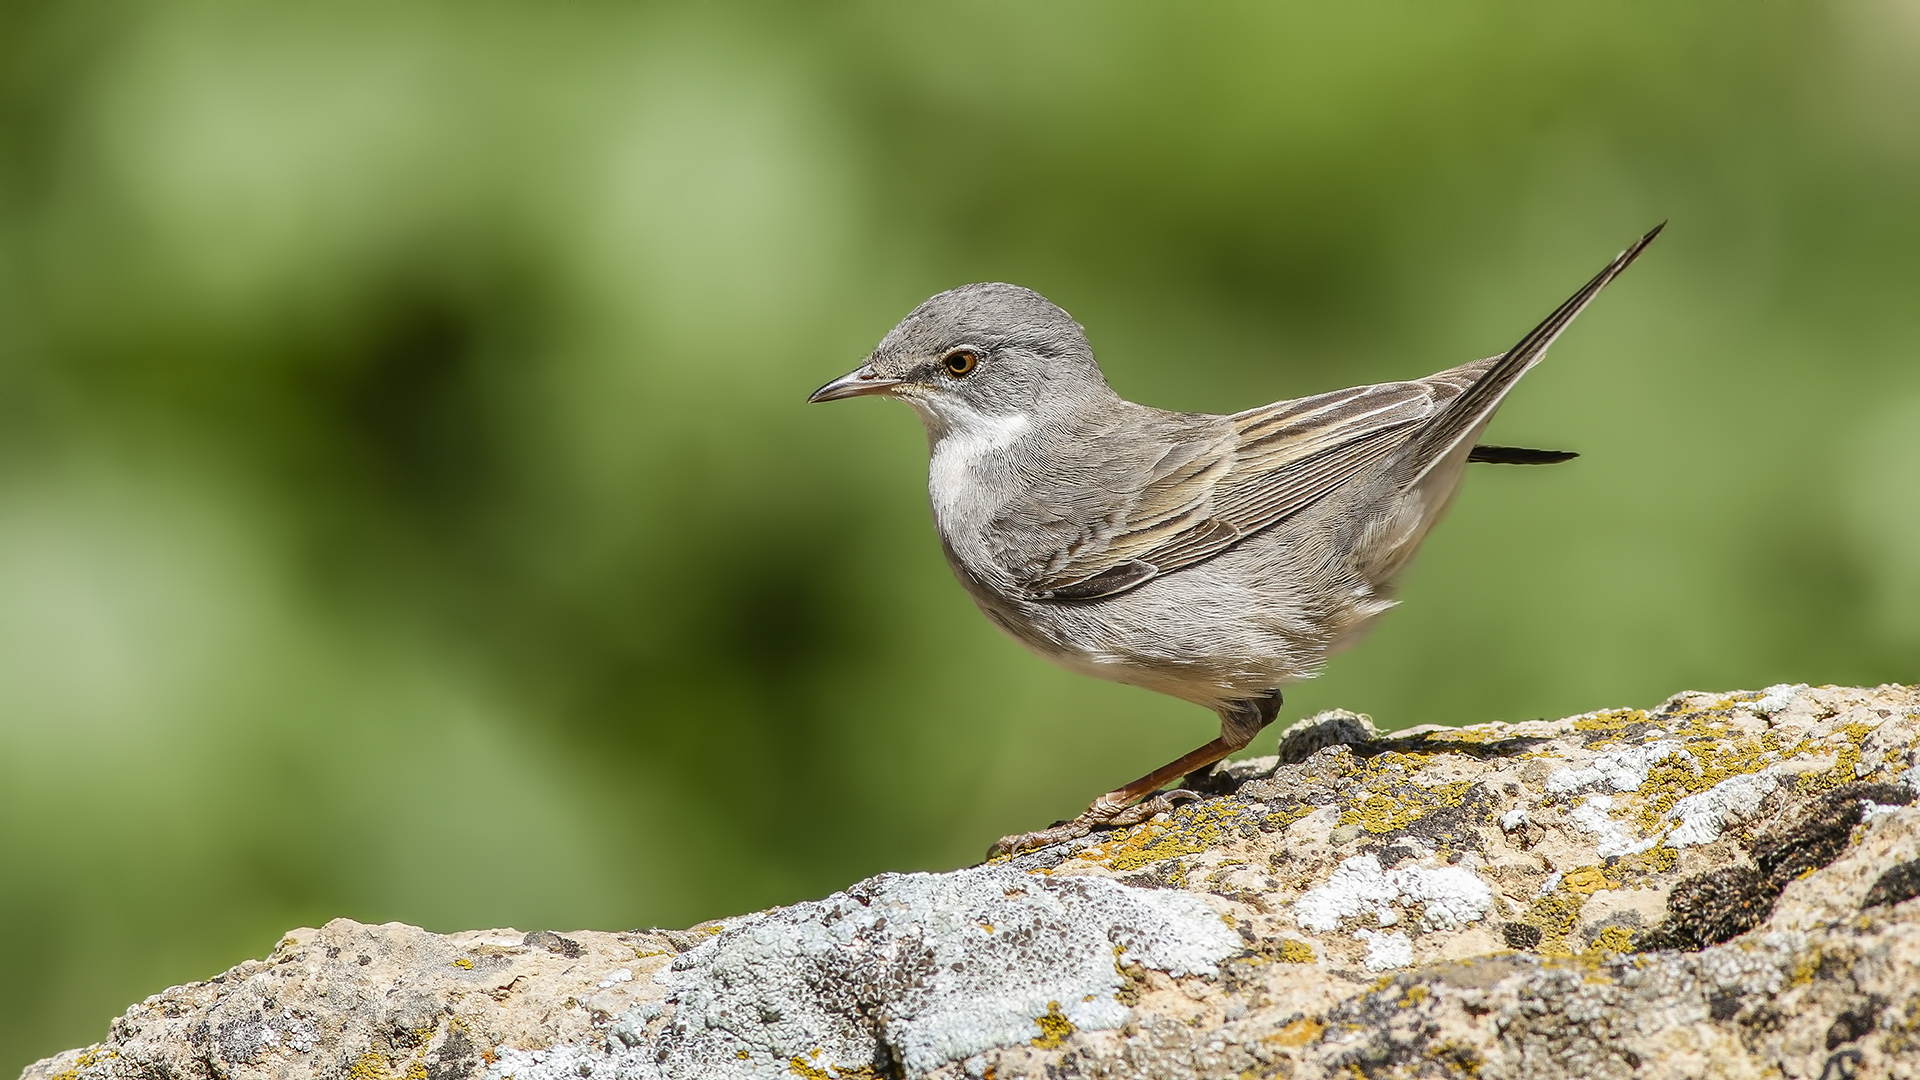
[(988, 352)]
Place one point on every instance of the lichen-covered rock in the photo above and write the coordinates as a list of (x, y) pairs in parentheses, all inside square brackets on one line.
[(907, 972), (1726, 885)]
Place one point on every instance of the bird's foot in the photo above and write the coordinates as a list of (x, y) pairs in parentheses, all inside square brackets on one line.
[(1059, 833), (1160, 804), (1100, 815)]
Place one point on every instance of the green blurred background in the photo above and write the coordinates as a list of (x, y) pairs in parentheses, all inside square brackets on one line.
[(408, 510)]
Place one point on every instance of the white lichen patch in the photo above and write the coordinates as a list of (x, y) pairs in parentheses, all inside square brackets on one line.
[(915, 969), (1386, 949), (1622, 770), (1611, 837), (1452, 896), (1703, 817), (1776, 698), (1871, 811)]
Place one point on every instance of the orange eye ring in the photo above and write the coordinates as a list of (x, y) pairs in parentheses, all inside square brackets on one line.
[(961, 362)]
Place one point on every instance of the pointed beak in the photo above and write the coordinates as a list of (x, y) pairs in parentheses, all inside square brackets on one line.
[(859, 381)]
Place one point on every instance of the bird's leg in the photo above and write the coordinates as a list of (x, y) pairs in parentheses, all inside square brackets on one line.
[(1240, 721)]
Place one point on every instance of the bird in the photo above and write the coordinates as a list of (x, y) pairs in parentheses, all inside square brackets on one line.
[(1212, 558)]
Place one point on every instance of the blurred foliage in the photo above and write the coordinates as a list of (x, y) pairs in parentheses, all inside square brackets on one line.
[(408, 511)]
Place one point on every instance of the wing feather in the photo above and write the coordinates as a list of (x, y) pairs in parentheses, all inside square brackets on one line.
[(1269, 463)]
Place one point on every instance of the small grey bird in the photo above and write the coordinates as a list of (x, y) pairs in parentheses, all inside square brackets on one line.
[(1213, 558)]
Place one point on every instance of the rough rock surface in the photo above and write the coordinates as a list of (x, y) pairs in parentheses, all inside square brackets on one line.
[(1727, 885)]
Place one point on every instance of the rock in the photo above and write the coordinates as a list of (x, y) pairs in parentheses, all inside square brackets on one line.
[(1728, 884)]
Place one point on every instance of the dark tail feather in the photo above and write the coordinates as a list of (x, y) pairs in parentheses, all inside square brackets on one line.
[(1518, 455), (1465, 412)]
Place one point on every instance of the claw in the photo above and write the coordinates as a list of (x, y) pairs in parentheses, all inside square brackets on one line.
[(1097, 816), (1066, 830)]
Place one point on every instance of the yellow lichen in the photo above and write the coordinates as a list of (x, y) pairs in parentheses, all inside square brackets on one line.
[(1385, 811), (799, 1067), (1412, 761), (1656, 860), (1290, 951), (1587, 879), (1299, 1033), (1282, 818), (1054, 1028), (1805, 967), (1554, 915), (374, 1065), (1414, 995), (1474, 734), (1614, 939), (1611, 720), (463, 962), (92, 1055), (1193, 829), (1846, 760)]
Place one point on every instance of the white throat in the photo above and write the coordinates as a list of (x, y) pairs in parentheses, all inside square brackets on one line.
[(969, 466)]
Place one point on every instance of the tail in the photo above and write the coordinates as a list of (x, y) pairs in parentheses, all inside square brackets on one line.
[(1519, 455), (1463, 415)]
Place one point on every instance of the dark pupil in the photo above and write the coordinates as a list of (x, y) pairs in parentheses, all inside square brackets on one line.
[(960, 363)]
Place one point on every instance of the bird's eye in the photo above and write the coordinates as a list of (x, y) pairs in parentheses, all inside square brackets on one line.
[(961, 361)]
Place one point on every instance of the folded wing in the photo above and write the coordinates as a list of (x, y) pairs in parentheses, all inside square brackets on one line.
[(1266, 464)]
